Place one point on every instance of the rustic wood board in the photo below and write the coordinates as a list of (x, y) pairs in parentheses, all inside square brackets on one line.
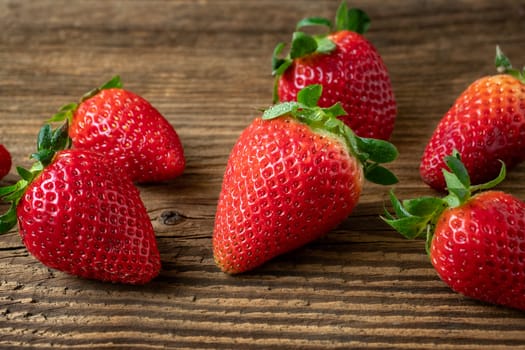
[(206, 66)]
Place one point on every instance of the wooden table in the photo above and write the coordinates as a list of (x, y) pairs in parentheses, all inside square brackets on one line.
[(206, 66)]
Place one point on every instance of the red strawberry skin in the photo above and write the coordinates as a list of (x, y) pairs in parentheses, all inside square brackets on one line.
[(5, 161), (485, 124), (131, 132), (83, 217), (353, 74), (284, 186), (478, 248)]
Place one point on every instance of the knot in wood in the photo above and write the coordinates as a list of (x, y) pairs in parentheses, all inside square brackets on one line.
[(171, 217)]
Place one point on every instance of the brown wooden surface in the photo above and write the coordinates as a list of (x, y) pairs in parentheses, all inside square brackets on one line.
[(206, 66)]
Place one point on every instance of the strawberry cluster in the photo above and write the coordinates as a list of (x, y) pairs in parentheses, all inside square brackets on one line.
[(294, 174), (77, 208), (475, 236)]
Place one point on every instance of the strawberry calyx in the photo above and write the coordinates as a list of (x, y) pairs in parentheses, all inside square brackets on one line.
[(370, 152), (413, 217), (304, 44), (67, 111), (504, 66), (49, 142)]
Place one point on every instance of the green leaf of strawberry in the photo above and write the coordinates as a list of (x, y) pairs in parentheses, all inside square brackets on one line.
[(50, 141), (379, 151), (424, 212), (292, 176), (310, 95), (279, 65), (8, 219), (504, 66), (380, 175), (302, 44), (113, 83), (278, 110), (313, 21), (354, 19)]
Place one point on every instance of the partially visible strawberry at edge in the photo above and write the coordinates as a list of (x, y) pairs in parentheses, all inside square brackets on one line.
[(79, 214), (474, 235), (485, 124), (5, 161)]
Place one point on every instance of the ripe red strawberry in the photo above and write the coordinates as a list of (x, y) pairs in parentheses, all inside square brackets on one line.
[(78, 214), (5, 161), (291, 177), (128, 130), (475, 243), (486, 124), (349, 68)]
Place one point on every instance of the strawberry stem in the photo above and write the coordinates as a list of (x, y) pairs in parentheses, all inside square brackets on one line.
[(354, 19), (67, 111), (314, 21), (370, 152), (114, 82), (504, 66)]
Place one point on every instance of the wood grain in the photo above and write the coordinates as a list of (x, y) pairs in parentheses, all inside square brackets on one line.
[(206, 66)]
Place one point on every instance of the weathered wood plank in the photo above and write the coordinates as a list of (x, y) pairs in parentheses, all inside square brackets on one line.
[(206, 66)]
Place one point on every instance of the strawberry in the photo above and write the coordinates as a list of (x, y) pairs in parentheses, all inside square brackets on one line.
[(485, 124), (292, 176), (5, 161), (78, 214), (474, 240), (128, 130), (347, 65)]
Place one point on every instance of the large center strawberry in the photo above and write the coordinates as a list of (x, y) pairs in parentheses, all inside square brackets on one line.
[(292, 176), (283, 186)]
